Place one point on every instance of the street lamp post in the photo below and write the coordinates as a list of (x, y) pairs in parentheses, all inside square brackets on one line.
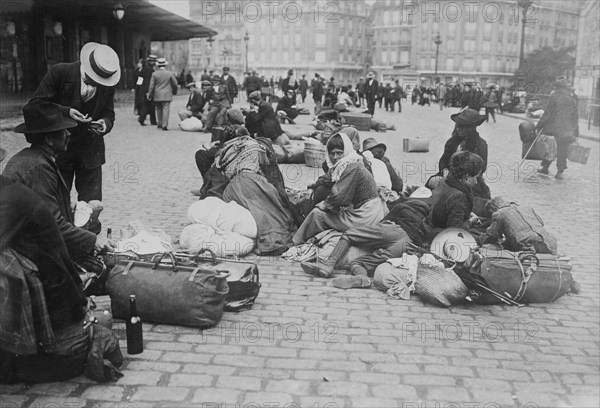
[(246, 39), (437, 40), (209, 40), (524, 4)]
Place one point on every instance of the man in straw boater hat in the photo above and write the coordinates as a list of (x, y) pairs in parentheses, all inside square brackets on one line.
[(36, 167), (84, 91)]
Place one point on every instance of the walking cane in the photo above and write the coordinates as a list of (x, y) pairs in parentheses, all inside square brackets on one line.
[(531, 147)]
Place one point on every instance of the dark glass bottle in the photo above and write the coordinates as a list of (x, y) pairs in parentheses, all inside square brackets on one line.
[(135, 339)]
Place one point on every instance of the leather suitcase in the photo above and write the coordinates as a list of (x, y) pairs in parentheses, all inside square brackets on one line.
[(169, 293), (524, 277), (243, 279), (578, 153), (415, 145)]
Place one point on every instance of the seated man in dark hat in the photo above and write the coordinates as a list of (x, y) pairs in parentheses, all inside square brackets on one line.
[(199, 97), (521, 226), (46, 129), (286, 107)]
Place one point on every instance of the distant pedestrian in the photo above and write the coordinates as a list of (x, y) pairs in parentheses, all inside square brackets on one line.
[(147, 106), (289, 82), (398, 94), (560, 119), (360, 89), (440, 94), (303, 87), (163, 86), (317, 93), (230, 85), (252, 83), (371, 92)]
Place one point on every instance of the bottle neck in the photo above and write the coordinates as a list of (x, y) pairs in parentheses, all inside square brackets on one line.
[(132, 307)]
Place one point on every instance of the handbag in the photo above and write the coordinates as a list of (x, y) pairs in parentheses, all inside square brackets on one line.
[(169, 293), (578, 153), (523, 277), (243, 279)]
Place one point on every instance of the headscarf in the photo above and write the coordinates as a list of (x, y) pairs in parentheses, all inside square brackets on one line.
[(350, 156)]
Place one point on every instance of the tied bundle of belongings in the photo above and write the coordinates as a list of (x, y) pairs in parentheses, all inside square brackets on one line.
[(437, 284), (516, 278), (241, 154), (319, 247), (397, 276)]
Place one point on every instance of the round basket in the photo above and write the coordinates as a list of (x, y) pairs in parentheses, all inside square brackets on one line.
[(314, 154)]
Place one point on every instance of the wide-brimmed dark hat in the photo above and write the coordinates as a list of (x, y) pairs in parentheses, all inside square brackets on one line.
[(41, 117), (371, 143), (468, 117), (100, 63)]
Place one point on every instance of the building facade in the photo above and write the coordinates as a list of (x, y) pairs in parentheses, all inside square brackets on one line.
[(480, 41), (328, 37), (587, 64)]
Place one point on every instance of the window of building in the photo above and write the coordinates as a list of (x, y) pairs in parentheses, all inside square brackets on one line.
[(320, 39), (485, 65), (384, 57), (404, 57), (387, 18), (319, 56), (469, 64), (449, 63), (469, 45), (297, 40), (394, 57), (286, 40), (470, 28), (451, 45), (486, 46)]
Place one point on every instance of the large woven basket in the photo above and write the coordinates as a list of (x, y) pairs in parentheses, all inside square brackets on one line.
[(314, 154)]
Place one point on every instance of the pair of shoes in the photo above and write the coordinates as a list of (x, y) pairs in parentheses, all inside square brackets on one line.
[(141, 123), (348, 282), (291, 122), (559, 175), (317, 269), (197, 192), (543, 170), (164, 128), (159, 127)]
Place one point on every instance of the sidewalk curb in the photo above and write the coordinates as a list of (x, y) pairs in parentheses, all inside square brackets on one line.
[(586, 137)]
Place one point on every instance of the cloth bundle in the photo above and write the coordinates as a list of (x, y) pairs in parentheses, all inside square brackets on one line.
[(241, 154)]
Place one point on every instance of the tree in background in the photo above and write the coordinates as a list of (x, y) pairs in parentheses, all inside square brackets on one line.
[(541, 67)]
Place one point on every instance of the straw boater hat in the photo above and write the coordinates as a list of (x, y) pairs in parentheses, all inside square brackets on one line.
[(100, 63), (161, 62), (42, 117), (468, 117), (453, 244)]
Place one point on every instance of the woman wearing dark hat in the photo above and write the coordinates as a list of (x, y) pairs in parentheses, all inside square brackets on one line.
[(465, 137)]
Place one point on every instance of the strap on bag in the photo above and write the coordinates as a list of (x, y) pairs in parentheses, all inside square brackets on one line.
[(559, 281), (525, 274), (161, 256), (199, 258)]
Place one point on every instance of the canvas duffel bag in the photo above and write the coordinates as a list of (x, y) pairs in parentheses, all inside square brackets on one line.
[(169, 293), (524, 277), (243, 279)]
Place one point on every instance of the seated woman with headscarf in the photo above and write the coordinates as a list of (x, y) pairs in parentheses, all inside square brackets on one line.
[(465, 137), (452, 199), (353, 201)]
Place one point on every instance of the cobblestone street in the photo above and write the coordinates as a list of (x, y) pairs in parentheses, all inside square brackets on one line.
[(306, 343)]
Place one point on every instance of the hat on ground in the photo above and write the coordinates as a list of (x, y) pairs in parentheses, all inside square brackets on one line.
[(161, 62), (100, 63), (254, 96), (453, 244), (468, 117), (371, 143), (43, 116), (2, 154)]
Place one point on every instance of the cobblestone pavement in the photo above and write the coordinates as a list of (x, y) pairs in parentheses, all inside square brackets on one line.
[(306, 343)]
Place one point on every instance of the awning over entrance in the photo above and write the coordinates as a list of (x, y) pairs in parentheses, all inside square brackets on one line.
[(160, 24)]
